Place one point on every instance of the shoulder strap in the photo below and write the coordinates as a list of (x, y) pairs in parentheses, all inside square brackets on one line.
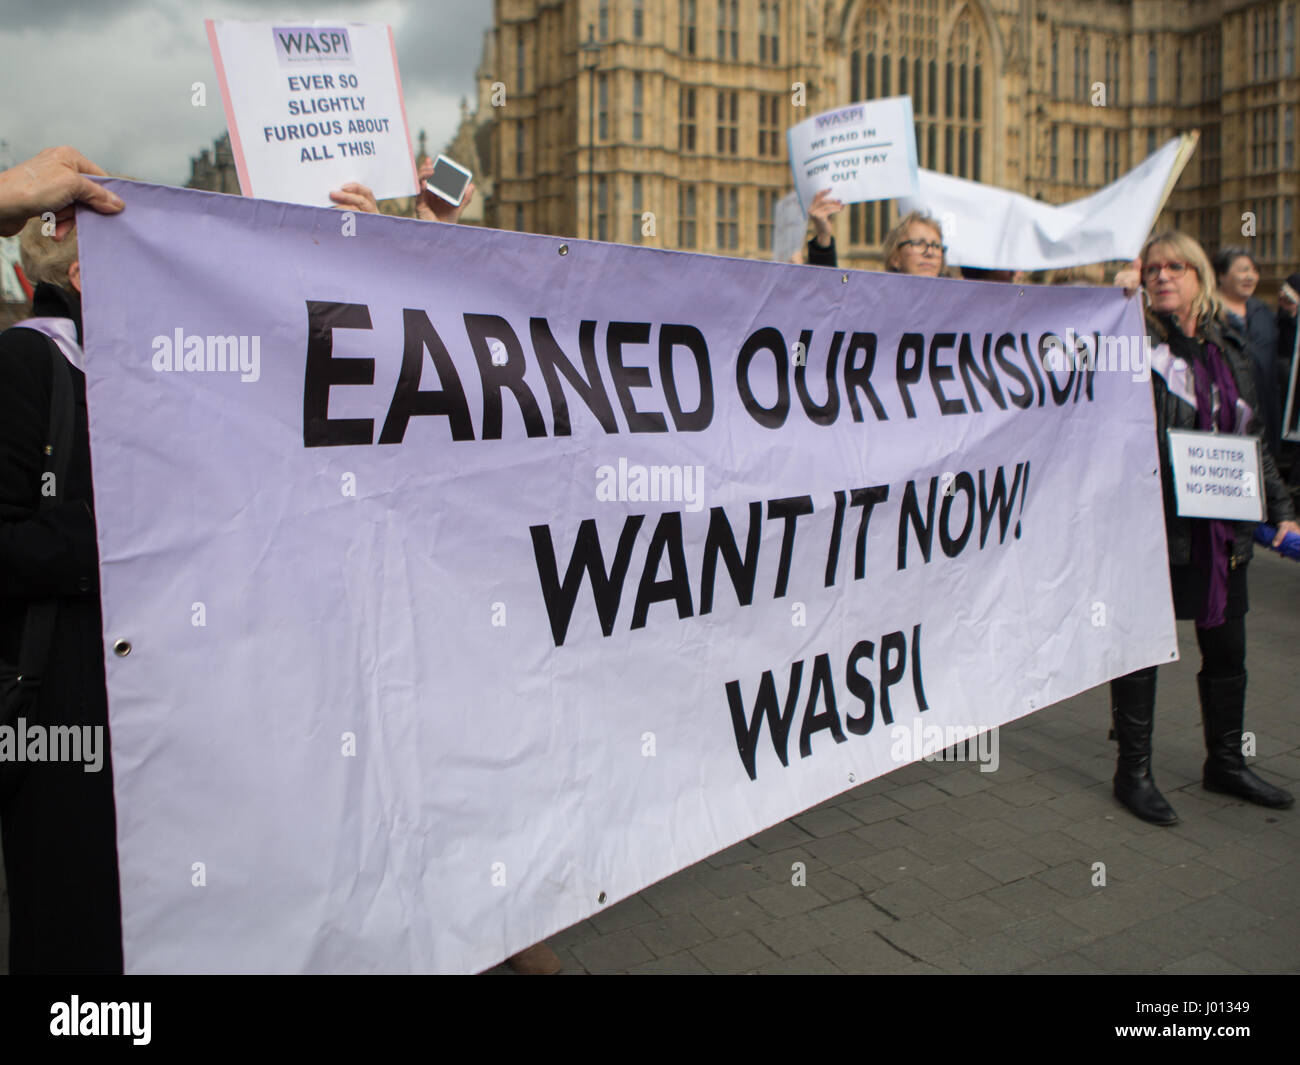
[(38, 629)]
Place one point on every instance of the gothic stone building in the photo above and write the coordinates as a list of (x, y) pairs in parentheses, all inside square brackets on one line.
[(681, 109)]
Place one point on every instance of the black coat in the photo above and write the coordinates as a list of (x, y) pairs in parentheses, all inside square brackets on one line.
[(1258, 335), (1173, 413), (59, 827)]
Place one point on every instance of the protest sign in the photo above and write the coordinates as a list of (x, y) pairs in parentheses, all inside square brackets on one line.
[(312, 106), (866, 151), (996, 229), (474, 580), (1216, 475)]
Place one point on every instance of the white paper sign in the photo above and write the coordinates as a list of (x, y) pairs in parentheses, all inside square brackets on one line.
[(1216, 475), (789, 224), (866, 151), (312, 106)]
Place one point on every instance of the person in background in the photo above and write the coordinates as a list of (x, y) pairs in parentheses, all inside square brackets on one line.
[(1203, 380), (975, 273), (54, 181), (915, 246), (1237, 274), (58, 822), (1288, 299)]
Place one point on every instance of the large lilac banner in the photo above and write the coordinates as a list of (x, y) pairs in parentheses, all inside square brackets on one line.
[(475, 580)]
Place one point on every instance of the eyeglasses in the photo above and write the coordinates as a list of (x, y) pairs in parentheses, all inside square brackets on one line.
[(932, 246), (1152, 271)]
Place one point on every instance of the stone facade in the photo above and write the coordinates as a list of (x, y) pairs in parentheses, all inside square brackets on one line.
[(685, 112)]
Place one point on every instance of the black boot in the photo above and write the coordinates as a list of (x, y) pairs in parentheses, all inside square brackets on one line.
[(1223, 705), (1133, 702)]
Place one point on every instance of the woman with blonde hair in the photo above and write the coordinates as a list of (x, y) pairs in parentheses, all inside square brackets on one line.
[(1202, 381), (915, 246)]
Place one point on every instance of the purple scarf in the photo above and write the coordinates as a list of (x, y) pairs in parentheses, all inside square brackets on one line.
[(1210, 538)]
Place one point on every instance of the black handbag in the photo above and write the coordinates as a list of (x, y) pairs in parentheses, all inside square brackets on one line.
[(20, 684)]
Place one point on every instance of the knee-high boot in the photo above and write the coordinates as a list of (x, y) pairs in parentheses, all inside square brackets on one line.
[(1223, 705), (1133, 702)]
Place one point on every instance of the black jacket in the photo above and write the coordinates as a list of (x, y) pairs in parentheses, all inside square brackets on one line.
[(60, 846), (1174, 413), (819, 256)]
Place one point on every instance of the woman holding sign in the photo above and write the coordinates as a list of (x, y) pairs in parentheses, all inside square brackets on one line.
[(1202, 381)]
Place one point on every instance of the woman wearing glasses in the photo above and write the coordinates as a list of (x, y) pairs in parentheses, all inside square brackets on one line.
[(1201, 382), (915, 246)]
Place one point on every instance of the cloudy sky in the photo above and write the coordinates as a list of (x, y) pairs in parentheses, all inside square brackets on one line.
[(113, 77)]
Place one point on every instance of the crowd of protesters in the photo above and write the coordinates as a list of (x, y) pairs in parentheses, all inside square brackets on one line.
[(58, 822)]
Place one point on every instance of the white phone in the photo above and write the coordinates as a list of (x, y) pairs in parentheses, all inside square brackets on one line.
[(448, 180)]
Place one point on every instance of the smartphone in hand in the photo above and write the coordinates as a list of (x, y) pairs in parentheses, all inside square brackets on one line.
[(448, 180)]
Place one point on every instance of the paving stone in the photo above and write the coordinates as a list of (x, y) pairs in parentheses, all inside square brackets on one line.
[(810, 964), (1024, 793), (796, 935), (683, 964), (1055, 848), (744, 851), (932, 819), (1027, 898), (976, 917), (735, 880), (781, 837), (1274, 894), (631, 911), (678, 894), (1049, 934), (859, 876), (1072, 879), (918, 796), (992, 834), (1035, 819), (1226, 915), (958, 880), (779, 868), (1104, 831), (1261, 950), (867, 954), (1237, 861), (833, 887), (922, 937), (1007, 864), (782, 900), (611, 952), (998, 953), (906, 898), (945, 847), (1207, 963), (900, 863), (886, 834), (1197, 879), (985, 806), (728, 916), (851, 917), (841, 847), (821, 823), (669, 935), (1117, 907), (872, 808), (740, 953), (1064, 965), (1273, 843)]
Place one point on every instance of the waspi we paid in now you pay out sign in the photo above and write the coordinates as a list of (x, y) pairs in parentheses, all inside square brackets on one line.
[(866, 151), (312, 106)]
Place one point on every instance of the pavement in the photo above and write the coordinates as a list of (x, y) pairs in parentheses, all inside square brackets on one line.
[(941, 868)]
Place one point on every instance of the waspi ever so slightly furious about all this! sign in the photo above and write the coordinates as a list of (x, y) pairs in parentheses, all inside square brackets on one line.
[(313, 106)]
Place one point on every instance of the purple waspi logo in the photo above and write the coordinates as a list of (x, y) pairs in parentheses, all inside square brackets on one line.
[(298, 44)]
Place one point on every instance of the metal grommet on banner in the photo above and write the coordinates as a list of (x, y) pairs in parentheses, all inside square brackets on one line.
[(852, 779), (601, 898), (564, 249), (122, 648), (844, 280), (1022, 291)]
